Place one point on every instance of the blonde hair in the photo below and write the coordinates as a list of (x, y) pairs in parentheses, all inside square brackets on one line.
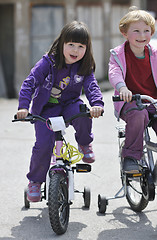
[(135, 15)]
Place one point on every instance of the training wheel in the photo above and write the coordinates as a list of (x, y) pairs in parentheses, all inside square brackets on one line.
[(86, 196), (26, 202), (102, 203)]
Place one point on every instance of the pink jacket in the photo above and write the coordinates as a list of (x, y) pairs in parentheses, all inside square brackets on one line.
[(117, 71)]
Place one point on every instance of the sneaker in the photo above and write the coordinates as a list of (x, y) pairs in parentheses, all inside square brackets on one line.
[(130, 165), (34, 192), (88, 153)]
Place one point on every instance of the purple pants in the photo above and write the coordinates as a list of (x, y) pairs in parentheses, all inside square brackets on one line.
[(42, 150), (136, 122)]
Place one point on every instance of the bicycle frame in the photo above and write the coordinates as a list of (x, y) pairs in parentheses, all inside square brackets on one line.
[(59, 165), (150, 146), (149, 151), (147, 177), (59, 188)]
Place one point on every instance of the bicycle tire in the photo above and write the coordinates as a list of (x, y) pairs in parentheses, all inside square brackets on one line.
[(102, 204), (26, 202), (58, 205), (87, 197), (137, 196), (147, 189)]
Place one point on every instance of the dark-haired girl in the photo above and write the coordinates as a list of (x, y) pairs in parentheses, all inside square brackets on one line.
[(56, 83)]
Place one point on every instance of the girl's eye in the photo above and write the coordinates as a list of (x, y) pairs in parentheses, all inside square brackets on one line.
[(82, 46)]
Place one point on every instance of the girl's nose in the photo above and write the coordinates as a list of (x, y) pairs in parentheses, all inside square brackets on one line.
[(75, 48), (142, 34)]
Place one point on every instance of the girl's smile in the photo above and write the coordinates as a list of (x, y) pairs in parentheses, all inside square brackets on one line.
[(73, 52)]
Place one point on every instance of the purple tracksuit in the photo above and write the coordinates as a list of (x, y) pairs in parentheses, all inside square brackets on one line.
[(56, 93)]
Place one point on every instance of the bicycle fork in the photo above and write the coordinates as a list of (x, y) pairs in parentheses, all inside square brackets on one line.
[(59, 166)]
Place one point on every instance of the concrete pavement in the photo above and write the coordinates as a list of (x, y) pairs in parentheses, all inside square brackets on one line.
[(119, 222)]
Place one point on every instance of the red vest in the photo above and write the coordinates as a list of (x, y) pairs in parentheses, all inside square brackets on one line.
[(139, 78)]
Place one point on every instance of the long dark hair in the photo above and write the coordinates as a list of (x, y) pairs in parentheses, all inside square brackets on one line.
[(74, 32)]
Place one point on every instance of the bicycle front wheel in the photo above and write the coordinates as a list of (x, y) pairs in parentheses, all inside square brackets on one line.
[(58, 203), (137, 193)]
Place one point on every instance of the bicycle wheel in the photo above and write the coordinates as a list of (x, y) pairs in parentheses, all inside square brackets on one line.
[(102, 203), (137, 193), (87, 197), (136, 189), (26, 202), (58, 203)]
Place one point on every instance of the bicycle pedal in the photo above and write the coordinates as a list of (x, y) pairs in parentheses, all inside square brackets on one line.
[(83, 168), (133, 174)]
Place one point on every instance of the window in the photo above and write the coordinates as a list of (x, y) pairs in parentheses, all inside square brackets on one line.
[(121, 2), (47, 22)]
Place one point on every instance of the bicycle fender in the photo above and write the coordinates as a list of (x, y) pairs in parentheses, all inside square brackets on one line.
[(58, 168)]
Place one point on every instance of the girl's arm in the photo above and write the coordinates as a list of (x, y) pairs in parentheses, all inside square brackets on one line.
[(92, 91), (116, 74), (31, 83), (116, 78)]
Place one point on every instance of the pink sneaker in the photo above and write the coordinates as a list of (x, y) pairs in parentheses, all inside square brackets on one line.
[(34, 192), (88, 153)]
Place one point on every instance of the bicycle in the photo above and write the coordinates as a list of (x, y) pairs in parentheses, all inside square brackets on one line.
[(138, 188), (59, 189)]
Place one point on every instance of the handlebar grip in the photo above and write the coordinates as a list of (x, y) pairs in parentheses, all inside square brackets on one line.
[(28, 118), (134, 97), (15, 118), (116, 98)]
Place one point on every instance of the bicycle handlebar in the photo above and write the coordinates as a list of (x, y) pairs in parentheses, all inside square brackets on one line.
[(117, 98), (30, 117), (138, 98), (84, 112)]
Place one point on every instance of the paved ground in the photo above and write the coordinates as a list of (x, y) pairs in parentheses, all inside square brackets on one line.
[(119, 222)]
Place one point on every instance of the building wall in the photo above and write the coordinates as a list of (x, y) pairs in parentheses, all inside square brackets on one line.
[(101, 16), (7, 50), (152, 6)]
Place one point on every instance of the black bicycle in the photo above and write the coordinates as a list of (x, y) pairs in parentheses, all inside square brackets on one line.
[(138, 188)]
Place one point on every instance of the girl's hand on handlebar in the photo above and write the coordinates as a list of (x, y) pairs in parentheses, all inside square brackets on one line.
[(96, 111), (22, 113), (125, 94)]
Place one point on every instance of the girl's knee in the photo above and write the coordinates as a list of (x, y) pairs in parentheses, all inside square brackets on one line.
[(138, 117)]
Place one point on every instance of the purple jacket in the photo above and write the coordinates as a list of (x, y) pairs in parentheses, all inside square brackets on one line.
[(40, 82), (117, 71)]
